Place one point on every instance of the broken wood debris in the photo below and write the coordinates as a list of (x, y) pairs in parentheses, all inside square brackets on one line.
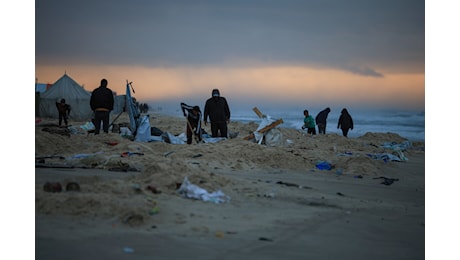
[(264, 129)]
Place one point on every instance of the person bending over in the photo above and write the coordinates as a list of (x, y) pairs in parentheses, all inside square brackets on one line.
[(321, 120), (193, 116)]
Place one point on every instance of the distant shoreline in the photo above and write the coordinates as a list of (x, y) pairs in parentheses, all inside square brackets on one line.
[(331, 126)]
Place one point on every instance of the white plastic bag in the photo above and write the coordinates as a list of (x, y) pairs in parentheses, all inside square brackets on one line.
[(192, 191)]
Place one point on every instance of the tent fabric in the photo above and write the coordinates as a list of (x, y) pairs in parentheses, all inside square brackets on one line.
[(132, 110), (41, 87), (118, 104), (74, 94)]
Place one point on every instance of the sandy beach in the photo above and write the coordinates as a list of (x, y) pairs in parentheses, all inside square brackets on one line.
[(276, 202)]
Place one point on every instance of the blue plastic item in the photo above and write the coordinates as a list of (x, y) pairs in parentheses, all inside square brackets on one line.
[(324, 166)]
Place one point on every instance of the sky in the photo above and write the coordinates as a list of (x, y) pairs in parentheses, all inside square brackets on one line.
[(318, 53)]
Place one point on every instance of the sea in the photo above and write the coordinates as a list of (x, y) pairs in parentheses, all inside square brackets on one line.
[(408, 124)]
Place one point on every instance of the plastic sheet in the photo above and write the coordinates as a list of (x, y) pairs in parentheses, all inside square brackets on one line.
[(143, 130), (324, 166)]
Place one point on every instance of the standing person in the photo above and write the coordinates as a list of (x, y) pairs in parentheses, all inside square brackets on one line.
[(321, 120), (101, 103), (218, 111), (193, 117), (345, 122), (63, 111), (309, 123)]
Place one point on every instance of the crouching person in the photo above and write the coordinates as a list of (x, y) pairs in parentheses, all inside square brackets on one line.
[(193, 116)]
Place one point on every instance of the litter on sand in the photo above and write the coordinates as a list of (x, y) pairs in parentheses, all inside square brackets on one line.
[(192, 191)]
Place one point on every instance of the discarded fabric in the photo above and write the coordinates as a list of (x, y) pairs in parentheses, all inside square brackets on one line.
[(172, 139), (125, 131), (85, 155), (265, 122), (155, 131), (126, 154), (143, 133), (214, 139), (192, 191), (397, 147), (274, 137), (88, 126), (386, 157)]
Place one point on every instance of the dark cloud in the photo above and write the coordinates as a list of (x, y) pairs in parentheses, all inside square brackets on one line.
[(363, 71), (170, 33)]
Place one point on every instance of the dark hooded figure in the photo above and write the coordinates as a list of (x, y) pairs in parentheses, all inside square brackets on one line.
[(321, 120), (345, 122), (218, 111)]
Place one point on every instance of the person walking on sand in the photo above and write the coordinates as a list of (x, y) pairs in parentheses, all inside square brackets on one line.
[(345, 122), (309, 123), (63, 111), (321, 120), (218, 111), (101, 103), (193, 117)]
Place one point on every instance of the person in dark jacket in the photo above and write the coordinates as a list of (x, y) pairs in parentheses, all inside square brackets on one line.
[(218, 111), (63, 111), (101, 103), (321, 120), (193, 127), (345, 122)]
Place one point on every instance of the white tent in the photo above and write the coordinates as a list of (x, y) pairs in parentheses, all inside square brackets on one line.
[(74, 94)]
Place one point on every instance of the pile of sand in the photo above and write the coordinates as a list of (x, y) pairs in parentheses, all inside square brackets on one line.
[(163, 165)]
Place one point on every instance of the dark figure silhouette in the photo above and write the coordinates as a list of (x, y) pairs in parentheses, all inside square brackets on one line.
[(218, 111), (321, 120), (345, 122)]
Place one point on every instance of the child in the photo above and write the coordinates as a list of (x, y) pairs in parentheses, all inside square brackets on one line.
[(63, 110), (309, 123)]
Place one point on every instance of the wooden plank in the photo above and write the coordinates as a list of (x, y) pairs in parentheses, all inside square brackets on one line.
[(257, 111), (265, 129)]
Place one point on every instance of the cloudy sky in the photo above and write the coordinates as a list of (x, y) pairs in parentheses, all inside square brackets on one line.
[(354, 53)]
